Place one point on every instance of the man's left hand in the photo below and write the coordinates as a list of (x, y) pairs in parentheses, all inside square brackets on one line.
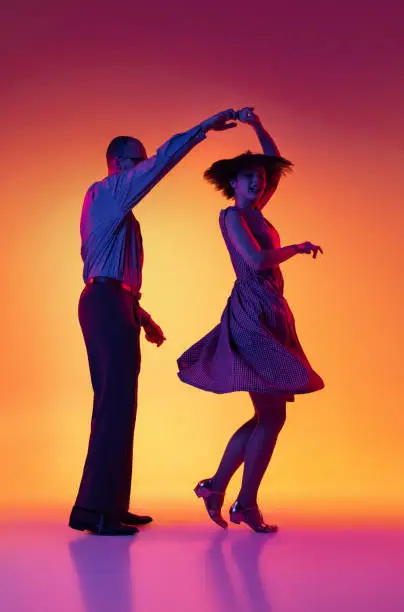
[(154, 333)]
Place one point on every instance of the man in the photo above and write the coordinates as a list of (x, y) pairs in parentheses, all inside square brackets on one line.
[(111, 318)]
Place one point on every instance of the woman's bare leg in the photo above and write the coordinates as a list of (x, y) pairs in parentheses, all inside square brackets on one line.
[(233, 456), (270, 411)]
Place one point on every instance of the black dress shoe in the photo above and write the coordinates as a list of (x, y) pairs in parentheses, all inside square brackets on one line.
[(135, 519), (99, 523)]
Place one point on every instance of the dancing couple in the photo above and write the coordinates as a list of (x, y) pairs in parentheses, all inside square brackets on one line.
[(254, 348)]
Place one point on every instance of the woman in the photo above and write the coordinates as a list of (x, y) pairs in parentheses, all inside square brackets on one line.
[(255, 347)]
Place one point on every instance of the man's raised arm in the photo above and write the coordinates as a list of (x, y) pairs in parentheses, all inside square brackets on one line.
[(131, 186)]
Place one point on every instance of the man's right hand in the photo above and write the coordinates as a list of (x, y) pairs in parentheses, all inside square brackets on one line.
[(247, 115), (220, 121)]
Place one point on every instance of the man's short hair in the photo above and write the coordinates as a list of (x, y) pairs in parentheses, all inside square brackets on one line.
[(125, 146)]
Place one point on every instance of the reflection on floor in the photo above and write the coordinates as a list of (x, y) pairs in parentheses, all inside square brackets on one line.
[(47, 567)]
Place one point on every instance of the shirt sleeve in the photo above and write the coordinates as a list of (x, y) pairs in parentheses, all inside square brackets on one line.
[(129, 187)]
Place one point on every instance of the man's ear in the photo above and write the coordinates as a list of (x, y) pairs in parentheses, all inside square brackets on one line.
[(233, 183)]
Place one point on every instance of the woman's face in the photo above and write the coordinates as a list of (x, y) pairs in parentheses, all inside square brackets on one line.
[(250, 185)]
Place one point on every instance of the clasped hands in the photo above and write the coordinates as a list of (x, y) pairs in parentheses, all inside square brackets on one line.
[(226, 120)]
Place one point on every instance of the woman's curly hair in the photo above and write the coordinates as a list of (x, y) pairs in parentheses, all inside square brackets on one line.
[(225, 170)]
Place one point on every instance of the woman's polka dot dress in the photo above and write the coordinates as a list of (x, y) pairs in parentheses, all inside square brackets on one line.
[(255, 346)]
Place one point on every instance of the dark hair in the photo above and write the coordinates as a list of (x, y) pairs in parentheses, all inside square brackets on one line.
[(225, 170), (118, 147)]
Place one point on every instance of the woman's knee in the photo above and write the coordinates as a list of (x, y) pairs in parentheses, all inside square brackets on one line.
[(270, 410), (281, 417)]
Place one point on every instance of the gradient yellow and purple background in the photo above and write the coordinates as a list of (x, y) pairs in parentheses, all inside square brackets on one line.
[(326, 80)]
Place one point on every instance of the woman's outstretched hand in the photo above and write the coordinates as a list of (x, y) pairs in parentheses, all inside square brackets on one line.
[(220, 121), (309, 248), (247, 115)]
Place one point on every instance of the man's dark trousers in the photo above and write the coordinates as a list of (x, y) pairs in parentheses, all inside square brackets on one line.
[(111, 329)]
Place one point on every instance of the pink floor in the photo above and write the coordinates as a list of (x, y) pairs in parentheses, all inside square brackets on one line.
[(47, 567)]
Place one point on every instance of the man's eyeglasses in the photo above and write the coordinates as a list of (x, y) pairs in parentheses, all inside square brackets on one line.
[(136, 160)]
